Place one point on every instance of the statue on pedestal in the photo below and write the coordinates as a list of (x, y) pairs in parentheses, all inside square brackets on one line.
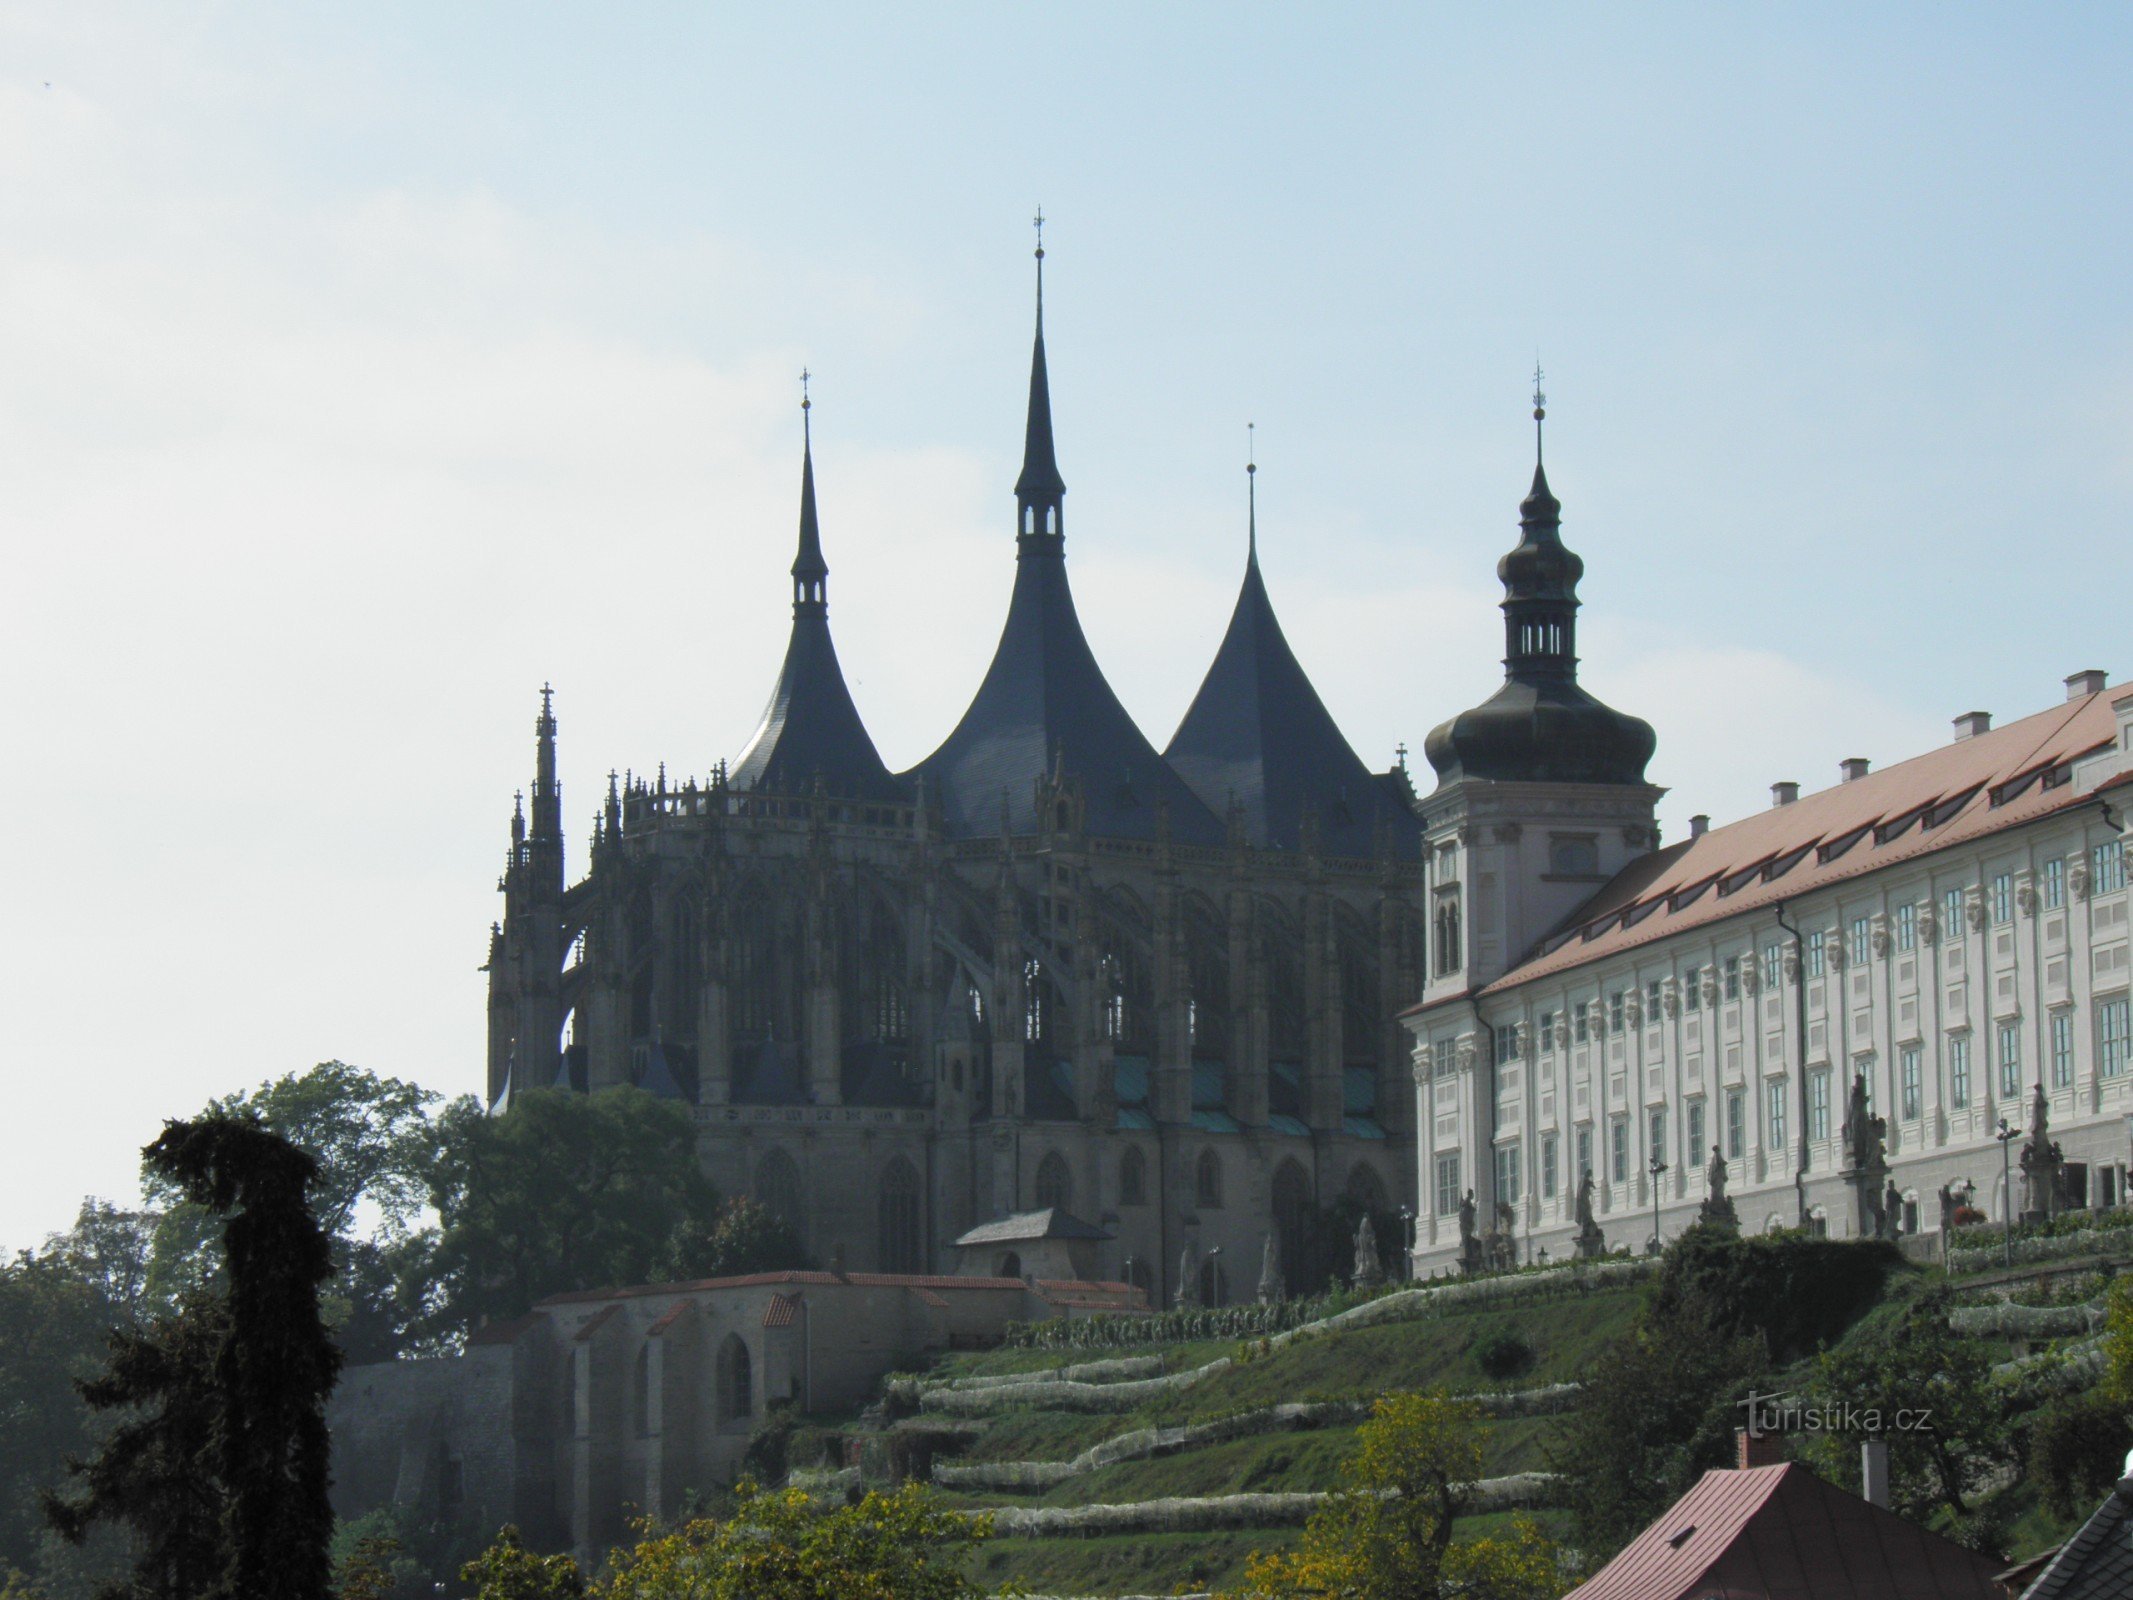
[(1369, 1271), (1866, 1162), (2043, 1166), (1270, 1284), (1592, 1243), (1717, 1210), (1469, 1243), (1892, 1212), (1188, 1277)]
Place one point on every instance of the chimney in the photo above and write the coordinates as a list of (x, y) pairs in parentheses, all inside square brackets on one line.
[(1854, 768), (2088, 681), (1756, 1449), (1972, 723), (1874, 1473), (1783, 794), (1699, 825)]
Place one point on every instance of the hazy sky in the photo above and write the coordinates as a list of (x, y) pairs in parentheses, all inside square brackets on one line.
[(362, 367)]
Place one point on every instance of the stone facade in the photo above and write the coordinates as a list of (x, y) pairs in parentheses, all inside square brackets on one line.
[(598, 1408)]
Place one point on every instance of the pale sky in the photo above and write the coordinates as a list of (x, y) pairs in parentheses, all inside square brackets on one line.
[(362, 367)]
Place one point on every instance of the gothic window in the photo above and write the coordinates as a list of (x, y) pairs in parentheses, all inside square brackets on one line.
[(777, 1190), (901, 1249), (736, 1381), (1010, 1266), (1293, 1222), (1132, 1178), (1055, 1186), (882, 980), (1366, 1188), (1036, 1003), (751, 971), (1207, 1181), (1209, 960), (1360, 1015), (1284, 995)]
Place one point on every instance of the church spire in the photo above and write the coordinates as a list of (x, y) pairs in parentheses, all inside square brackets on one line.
[(810, 573), (1039, 490), (547, 796), (1251, 495)]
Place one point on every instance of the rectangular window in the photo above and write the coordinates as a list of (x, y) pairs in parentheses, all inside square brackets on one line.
[(2112, 1018), (2062, 1049), (1584, 1151), (1506, 1172), (1655, 1133), (1654, 1002), (1774, 1114), (1951, 914), (1818, 1103), (1448, 1184), (1907, 1070), (1736, 1125), (1582, 1026), (2010, 1060), (1547, 1172), (1618, 1133), (1773, 966), (1732, 977), (2054, 876), (2002, 898), (1506, 1042), (1694, 1147), (1907, 926), (1692, 989), (1547, 1030), (1859, 942), (1959, 1070), (2107, 866), (1614, 1012), (1815, 953)]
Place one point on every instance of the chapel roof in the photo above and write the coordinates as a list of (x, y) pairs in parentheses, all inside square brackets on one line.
[(1053, 1222), (1258, 737), (811, 732)]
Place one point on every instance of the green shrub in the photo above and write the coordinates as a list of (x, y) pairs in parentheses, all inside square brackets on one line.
[(1799, 1293), (2076, 1450), (1503, 1356)]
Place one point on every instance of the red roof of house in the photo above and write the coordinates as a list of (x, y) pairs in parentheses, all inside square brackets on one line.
[(1781, 1533), (863, 1280), (781, 1310)]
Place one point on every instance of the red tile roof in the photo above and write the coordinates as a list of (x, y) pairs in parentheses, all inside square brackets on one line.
[(667, 1319), (505, 1332), (1957, 793), (863, 1280), (781, 1311), (594, 1323), (1781, 1533)]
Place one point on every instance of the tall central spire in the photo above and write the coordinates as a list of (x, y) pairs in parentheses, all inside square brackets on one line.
[(1039, 491), (810, 573)]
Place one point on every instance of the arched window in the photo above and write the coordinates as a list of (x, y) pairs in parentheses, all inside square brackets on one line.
[(1010, 1266), (1366, 1188), (1362, 1018), (1207, 1181), (1449, 955), (1132, 1177), (1214, 1283), (736, 1382), (901, 1247), (1284, 996), (777, 1190), (1055, 1185), (1208, 960), (1293, 1214)]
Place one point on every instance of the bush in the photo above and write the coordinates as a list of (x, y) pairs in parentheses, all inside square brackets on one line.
[(1504, 1355), (2076, 1451), (1797, 1292)]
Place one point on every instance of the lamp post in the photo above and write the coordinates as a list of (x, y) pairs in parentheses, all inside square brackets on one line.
[(1657, 1170), (1407, 1242), (2007, 1136)]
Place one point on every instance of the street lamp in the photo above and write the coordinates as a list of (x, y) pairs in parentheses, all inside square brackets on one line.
[(1657, 1170), (2007, 1136), (1407, 1241)]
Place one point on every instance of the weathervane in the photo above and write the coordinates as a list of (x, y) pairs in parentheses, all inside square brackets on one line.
[(1038, 224), (1540, 408)]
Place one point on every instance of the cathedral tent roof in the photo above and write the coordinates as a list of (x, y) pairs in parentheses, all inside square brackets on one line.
[(1044, 704), (811, 729), (1258, 735)]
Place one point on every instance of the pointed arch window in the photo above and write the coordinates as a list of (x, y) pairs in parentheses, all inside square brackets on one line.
[(1132, 1177), (736, 1382), (1055, 1184), (901, 1246), (1207, 1182), (777, 1190)]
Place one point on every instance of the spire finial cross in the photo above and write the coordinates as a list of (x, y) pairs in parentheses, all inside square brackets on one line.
[(805, 403), (1038, 223), (1540, 407)]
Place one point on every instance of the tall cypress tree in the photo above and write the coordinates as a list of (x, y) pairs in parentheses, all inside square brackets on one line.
[(221, 1469)]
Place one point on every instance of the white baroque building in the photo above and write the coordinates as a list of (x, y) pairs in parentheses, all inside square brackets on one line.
[(1951, 929)]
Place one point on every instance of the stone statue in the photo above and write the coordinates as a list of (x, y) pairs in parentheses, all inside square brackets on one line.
[(1592, 1243), (1369, 1271), (1188, 1277), (1865, 1162), (1717, 1210), (1270, 1284), (1947, 1221), (1892, 1212), (1470, 1258), (2042, 1163), (1503, 1239)]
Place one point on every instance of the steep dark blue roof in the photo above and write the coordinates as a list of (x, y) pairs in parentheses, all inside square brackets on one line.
[(811, 730), (1044, 703), (1258, 735)]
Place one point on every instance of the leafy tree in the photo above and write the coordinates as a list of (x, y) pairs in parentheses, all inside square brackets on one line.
[(567, 1192), (2077, 1451), (1929, 1393), (747, 1237), (1386, 1533), (219, 1464), (1796, 1292), (1658, 1410), (52, 1325), (901, 1545), (507, 1570), (2118, 1341)]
